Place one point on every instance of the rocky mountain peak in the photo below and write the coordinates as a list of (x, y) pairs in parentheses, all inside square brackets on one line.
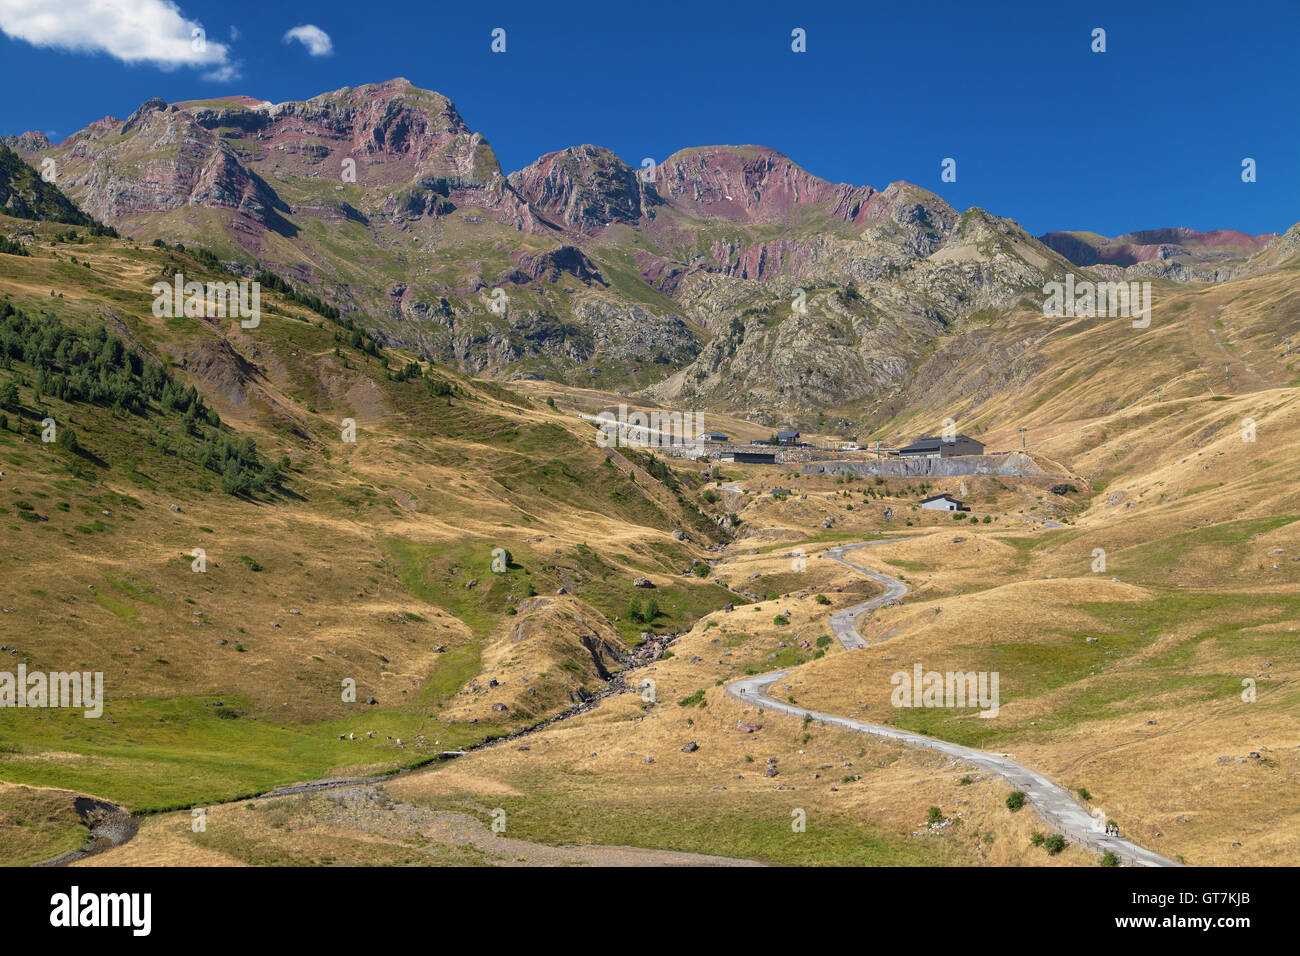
[(1177, 253), (751, 184), (155, 104), (582, 188), (28, 142)]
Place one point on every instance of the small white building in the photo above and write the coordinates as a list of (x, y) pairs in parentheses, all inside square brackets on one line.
[(943, 503)]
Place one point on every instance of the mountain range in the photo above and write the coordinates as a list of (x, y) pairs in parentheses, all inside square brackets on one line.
[(725, 277)]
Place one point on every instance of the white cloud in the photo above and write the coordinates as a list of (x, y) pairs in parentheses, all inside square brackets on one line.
[(133, 31), (316, 40)]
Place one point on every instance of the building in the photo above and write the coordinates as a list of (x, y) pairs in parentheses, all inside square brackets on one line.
[(781, 491), (943, 503), (787, 437), (750, 457), (938, 447), (714, 436)]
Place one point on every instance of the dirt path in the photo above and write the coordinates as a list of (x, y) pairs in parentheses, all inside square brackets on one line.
[(371, 811), (1054, 804), (1229, 359)]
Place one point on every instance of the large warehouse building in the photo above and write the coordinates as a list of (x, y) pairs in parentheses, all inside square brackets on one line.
[(938, 447)]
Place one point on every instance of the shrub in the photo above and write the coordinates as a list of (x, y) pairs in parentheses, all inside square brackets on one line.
[(780, 620), (1054, 844), (822, 599), (1109, 859), (250, 563), (1037, 839), (1084, 794), (695, 700), (1015, 800), (934, 815)]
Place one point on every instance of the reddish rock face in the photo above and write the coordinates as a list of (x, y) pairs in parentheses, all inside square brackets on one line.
[(393, 131), (586, 188), (157, 161), (407, 149), (1154, 245), (1214, 239), (583, 188), (752, 184)]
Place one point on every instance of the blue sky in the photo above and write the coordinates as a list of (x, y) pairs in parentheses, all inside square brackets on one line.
[(1150, 133)]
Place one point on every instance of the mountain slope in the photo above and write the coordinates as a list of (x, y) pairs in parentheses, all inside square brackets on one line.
[(726, 277), (1180, 254), (323, 559), (25, 195)]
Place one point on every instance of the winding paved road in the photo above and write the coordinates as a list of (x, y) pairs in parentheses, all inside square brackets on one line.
[(1054, 804), (843, 622)]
